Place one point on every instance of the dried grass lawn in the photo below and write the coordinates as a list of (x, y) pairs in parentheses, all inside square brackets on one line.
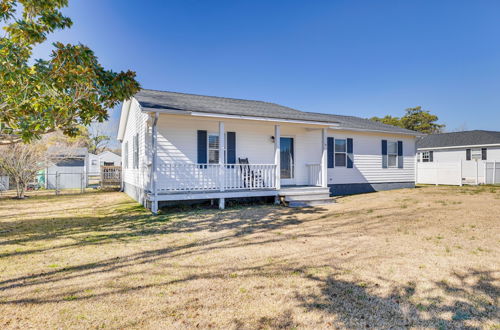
[(426, 257)]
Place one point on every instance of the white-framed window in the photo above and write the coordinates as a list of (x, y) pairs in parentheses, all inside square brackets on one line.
[(94, 162), (392, 154), (213, 148), (340, 152), (426, 156), (135, 151), (125, 155)]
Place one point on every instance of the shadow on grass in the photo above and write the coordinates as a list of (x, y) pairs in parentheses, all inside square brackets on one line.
[(474, 299), (474, 293)]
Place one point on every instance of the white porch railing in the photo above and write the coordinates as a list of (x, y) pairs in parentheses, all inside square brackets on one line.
[(314, 174), (182, 177)]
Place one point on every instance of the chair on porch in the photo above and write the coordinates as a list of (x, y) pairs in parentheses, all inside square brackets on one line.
[(251, 178)]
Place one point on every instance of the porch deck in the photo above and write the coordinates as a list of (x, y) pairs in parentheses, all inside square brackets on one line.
[(294, 196)]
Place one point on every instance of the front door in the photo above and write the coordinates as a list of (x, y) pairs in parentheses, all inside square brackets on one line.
[(287, 160)]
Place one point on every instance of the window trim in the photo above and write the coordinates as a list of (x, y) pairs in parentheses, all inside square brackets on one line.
[(208, 147), (125, 158), (392, 154), (335, 152), (426, 159), (468, 154), (135, 151)]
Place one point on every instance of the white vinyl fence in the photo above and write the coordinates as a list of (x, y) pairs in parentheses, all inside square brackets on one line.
[(493, 173), (458, 173)]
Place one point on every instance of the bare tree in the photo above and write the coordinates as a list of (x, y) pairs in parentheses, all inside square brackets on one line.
[(22, 162), (98, 137)]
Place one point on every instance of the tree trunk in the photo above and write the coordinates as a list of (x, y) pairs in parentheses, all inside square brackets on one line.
[(20, 188)]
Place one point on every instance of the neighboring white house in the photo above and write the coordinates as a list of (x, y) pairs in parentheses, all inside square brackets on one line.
[(105, 158), (179, 146), (458, 157)]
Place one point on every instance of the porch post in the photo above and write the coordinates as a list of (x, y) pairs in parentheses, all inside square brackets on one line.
[(154, 161), (324, 167), (222, 144), (277, 156)]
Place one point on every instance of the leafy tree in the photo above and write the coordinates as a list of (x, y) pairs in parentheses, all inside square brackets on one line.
[(422, 121), (389, 120), (414, 119), (69, 89)]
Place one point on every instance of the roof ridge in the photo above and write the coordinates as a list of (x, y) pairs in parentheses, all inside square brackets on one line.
[(469, 131), (220, 97)]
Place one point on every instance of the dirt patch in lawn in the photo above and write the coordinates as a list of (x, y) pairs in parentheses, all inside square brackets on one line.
[(426, 257)]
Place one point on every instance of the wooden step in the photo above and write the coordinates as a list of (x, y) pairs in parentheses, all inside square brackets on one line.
[(311, 203), (303, 191), (305, 197)]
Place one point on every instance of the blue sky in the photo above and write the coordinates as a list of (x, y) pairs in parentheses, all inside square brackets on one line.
[(362, 58)]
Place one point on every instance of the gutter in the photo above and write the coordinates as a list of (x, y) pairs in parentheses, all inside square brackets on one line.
[(416, 134)]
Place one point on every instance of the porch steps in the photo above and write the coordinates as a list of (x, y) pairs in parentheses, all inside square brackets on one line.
[(305, 196)]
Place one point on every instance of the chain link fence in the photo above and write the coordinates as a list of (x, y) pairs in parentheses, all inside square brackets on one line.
[(76, 182)]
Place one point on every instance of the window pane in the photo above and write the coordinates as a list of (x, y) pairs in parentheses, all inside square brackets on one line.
[(340, 159), (340, 145), (393, 160), (392, 148), (213, 142), (213, 156)]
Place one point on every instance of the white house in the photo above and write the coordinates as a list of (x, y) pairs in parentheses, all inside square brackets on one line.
[(179, 146), (105, 158), (470, 153)]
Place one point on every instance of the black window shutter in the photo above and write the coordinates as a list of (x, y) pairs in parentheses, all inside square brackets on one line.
[(431, 156), (330, 153), (384, 153), (484, 154), (231, 147), (468, 155), (350, 151), (400, 154), (202, 147)]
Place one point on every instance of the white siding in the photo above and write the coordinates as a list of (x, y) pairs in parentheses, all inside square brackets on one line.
[(93, 169), (367, 167), (454, 155), (177, 141), (136, 124)]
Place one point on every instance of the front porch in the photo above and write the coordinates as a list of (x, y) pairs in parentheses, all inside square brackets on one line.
[(175, 177)]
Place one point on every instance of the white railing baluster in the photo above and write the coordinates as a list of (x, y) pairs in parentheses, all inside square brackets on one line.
[(204, 177)]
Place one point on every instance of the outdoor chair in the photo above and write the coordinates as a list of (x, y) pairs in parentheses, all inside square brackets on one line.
[(251, 178)]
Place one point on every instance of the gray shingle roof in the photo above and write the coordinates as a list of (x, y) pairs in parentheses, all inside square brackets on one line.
[(151, 100), (467, 138)]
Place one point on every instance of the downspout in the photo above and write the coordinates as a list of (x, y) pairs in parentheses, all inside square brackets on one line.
[(153, 174)]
